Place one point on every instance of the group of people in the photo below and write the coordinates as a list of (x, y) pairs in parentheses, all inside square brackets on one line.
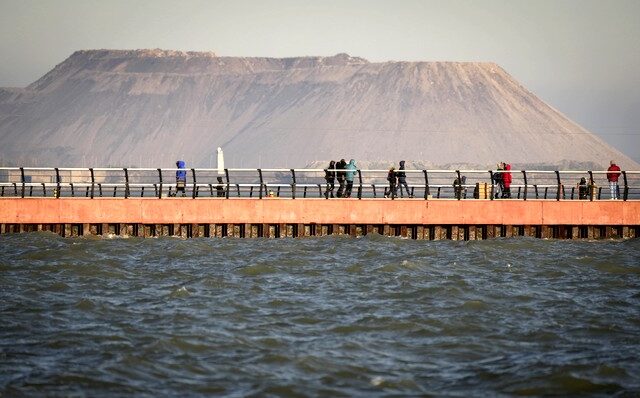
[(502, 180), (345, 179), (397, 179), (343, 172)]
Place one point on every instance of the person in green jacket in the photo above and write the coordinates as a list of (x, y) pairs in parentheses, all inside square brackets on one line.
[(350, 175)]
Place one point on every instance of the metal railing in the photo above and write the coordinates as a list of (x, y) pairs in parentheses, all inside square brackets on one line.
[(309, 183)]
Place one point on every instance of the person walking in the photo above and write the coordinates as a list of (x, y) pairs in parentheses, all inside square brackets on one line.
[(613, 172), (391, 177), (340, 176), (330, 178), (350, 175), (402, 180)]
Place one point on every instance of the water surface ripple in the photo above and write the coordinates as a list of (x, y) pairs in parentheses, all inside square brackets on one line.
[(331, 316)]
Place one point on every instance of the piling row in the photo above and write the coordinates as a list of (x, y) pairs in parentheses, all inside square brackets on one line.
[(419, 232)]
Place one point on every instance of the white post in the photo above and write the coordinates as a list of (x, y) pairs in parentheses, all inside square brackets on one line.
[(220, 161)]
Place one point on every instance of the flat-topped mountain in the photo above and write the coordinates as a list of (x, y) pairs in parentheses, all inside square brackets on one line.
[(151, 107)]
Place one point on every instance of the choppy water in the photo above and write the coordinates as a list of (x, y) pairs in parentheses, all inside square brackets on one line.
[(318, 317)]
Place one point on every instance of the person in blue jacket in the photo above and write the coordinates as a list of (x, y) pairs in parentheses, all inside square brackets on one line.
[(181, 177), (350, 175)]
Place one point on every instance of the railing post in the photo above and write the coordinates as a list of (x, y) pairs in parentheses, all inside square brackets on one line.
[(57, 195), (591, 185), (360, 182), (195, 187), (492, 186), (126, 183), (458, 192), (524, 176), (427, 191), (93, 181), (22, 179), (293, 184), (625, 193), (226, 176), (559, 184), (261, 183), (160, 178)]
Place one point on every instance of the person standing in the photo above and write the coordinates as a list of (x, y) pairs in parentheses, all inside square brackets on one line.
[(220, 188), (497, 179), (583, 189), (613, 172), (391, 177), (350, 175), (181, 177), (402, 179), (506, 181), (340, 176), (330, 178)]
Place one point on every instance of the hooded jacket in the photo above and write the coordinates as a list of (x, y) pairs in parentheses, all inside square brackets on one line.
[(181, 175), (352, 170)]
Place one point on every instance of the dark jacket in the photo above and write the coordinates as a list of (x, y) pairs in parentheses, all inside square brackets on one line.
[(341, 165), (402, 176), (497, 177), (391, 176), (329, 174)]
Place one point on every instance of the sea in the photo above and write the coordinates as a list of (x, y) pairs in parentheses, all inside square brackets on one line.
[(318, 317)]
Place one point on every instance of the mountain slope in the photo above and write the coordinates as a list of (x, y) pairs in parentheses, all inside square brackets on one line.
[(150, 107)]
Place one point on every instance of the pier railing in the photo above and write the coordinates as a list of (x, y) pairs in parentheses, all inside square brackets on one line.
[(309, 183)]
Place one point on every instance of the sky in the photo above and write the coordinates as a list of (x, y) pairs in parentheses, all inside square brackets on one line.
[(582, 57)]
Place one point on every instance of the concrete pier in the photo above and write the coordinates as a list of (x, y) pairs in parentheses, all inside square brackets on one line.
[(273, 217)]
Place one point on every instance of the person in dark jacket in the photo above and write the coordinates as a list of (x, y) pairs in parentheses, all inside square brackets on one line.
[(330, 178), (391, 177), (583, 191), (340, 176), (181, 177), (506, 181), (459, 187), (497, 180), (220, 188), (402, 179)]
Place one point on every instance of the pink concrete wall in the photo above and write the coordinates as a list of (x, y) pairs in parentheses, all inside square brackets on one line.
[(338, 211)]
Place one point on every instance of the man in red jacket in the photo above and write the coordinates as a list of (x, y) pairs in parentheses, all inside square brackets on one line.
[(506, 181), (612, 176)]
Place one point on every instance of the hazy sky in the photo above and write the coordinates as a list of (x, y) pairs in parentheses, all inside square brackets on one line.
[(580, 56)]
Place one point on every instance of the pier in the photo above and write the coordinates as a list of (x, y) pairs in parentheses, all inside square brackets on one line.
[(83, 202)]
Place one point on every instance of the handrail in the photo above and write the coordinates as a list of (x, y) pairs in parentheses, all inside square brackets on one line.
[(294, 183)]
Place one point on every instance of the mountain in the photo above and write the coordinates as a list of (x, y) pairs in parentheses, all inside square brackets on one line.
[(151, 107)]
